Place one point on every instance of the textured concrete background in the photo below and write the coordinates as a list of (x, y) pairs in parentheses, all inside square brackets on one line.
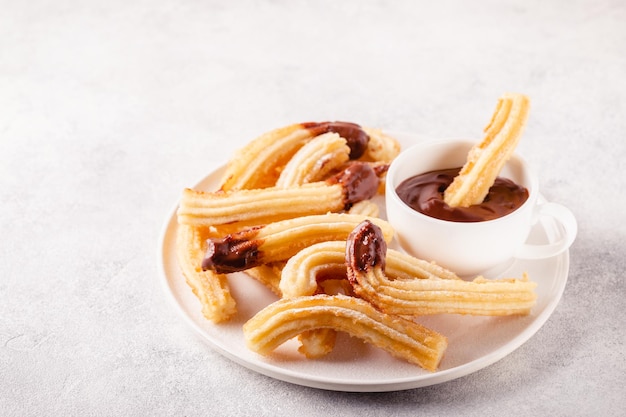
[(109, 108)]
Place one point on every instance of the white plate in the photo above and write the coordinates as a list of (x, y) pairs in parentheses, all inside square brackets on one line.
[(474, 342)]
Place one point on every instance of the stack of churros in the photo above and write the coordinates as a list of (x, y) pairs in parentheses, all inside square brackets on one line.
[(288, 188), (294, 211)]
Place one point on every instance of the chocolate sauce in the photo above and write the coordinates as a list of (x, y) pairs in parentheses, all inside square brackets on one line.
[(232, 253), (424, 193), (359, 181), (354, 135), (240, 251), (365, 248)]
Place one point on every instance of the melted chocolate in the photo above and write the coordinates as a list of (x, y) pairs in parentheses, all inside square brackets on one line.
[(424, 193), (354, 135), (360, 182), (365, 248), (232, 253)]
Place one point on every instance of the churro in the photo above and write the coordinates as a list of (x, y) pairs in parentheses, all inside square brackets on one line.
[(259, 163), (381, 147), (306, 273), (286, 318), (279, 241), (365, 208), (366, 262), (486, 159), (358, 181), (355, 135), (315, 160), (309, 271), (303, 272), (210, 288)]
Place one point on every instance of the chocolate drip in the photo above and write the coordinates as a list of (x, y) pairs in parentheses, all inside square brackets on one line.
[(424, 193), (355, 136), (365, 248), (232, 253), (360, 182)]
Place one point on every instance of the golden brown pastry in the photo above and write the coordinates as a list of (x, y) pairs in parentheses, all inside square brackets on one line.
[(486, 159), (210, 288), (366, 263), (289, 317), (281, 240), (304, 271), (356, 182), (311, 270), (260, 162), (381, 147), (315, 161)]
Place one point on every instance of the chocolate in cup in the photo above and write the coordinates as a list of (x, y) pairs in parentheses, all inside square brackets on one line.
[(471, 248)]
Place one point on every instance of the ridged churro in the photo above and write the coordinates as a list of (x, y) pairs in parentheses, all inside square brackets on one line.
[(320, 342), (358, 181), (301, 273), (260, 162), (286, 318), (279, 241), (486, 159), (315, 160), (258, 165), (210, 288), (307, 272), (304, 271), (381, 147), (304, 274), (366, 263)]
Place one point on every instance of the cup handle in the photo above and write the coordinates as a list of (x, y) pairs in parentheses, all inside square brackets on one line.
[(562, 216)]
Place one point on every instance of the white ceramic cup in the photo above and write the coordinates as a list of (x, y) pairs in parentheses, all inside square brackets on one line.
[(476, 247)]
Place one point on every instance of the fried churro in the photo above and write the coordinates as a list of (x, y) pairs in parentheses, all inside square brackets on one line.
[(238, 203), (486, 159), (381, 147), (315, 161), (366, 262), (304, 271), (286, 318), (260, 162), (210, 288), (358, 181), (304, 274), (307, 272), (279, 241)]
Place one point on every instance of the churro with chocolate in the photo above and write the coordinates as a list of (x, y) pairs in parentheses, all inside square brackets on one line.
[(366, 263), (279, 241), (358, 181), (303, 272), (486, 159), (315, 161), (260, 162), (210, 288)]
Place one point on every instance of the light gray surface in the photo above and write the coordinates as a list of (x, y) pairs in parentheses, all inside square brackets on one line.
[(108, 109)]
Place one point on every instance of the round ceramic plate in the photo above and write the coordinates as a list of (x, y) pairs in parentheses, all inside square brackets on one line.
[(473, 342)]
